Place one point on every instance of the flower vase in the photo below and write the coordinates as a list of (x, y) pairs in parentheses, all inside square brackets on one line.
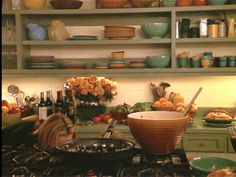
[(86, 110)]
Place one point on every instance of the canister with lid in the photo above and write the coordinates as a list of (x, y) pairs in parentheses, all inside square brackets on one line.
[(222, 28), (212, 29), (207, 59)]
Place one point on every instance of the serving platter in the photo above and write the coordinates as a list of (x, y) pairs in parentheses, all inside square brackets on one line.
[(220, 125)]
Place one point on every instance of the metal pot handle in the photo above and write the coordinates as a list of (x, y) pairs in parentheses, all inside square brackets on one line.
[(110, 129)]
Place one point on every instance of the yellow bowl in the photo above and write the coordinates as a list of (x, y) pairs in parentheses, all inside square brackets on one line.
[(118, 55), (157, 131)]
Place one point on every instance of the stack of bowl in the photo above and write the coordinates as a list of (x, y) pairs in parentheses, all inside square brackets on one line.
[(117, 61), (119, 32)]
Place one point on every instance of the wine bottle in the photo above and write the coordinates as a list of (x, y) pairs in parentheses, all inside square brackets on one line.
[(42, 108), (49, 103), (70, 106), (59, 105)]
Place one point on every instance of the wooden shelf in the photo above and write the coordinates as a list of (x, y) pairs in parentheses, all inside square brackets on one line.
[(146, 72), (99, 42), (121, 10), (205, 40), (122, 16)]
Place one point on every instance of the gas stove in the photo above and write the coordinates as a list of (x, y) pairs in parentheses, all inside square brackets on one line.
[(30, 161)]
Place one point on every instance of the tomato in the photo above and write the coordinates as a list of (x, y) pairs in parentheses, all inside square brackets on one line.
[(96, 119), (105, 117)]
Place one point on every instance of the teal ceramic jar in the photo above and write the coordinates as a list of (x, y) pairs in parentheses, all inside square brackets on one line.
[(195, 63), (223, 61), (231, 61)]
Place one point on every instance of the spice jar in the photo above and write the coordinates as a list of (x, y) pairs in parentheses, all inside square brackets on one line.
[(212, 29)]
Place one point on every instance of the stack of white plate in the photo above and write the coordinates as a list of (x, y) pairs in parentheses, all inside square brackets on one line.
[(41, 62)]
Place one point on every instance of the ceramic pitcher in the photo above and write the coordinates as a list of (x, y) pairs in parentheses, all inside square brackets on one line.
[(36, 31)]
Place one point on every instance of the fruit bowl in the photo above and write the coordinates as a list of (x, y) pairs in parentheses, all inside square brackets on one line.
[(10, 119), (166, 129)]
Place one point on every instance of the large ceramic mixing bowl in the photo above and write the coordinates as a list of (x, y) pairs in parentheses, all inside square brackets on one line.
[(158, 61), (155, 30), (157, 132)]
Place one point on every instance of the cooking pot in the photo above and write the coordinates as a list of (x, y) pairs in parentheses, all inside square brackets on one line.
[(96, 152)]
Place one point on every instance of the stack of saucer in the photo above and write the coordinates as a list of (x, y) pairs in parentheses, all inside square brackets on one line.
[(137, 64), (41, 62), (101, 65), (119, 32)]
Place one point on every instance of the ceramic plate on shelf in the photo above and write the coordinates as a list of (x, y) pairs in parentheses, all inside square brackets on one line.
[(83, 37)]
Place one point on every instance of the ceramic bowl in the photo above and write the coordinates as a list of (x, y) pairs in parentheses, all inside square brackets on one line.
[(66, 4), (157, 131), (155, 30), (141, 3), (112, 3), (203, 166), (118, 54), (158, 61), (168, 3), (231, 2), (35, 4), (216, 2)]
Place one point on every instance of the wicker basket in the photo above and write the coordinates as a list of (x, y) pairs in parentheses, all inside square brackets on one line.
[(111, 3), (141, 3)]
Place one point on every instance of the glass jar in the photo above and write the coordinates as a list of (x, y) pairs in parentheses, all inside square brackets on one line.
[(86, 110)]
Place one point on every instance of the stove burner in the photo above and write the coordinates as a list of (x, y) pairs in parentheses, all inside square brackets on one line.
[(25, 161)]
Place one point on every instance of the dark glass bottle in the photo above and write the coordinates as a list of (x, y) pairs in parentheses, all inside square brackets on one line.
[(42, 108), (70, 106), (59, 105), (49, 103)]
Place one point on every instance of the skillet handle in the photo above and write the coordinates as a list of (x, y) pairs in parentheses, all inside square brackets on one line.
[(110, 129)]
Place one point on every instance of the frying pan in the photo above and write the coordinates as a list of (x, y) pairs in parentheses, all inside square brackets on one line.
[(96, 152)]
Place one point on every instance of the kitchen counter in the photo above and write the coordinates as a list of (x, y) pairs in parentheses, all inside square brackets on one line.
[(197, 127), (198, 136)]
